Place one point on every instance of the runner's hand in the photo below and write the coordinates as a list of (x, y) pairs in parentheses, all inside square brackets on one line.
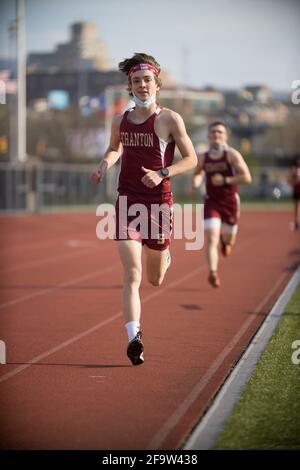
[(98, 175), (151, 178), (218, 179)]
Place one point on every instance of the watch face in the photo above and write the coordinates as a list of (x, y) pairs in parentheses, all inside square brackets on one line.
[(164, 171)]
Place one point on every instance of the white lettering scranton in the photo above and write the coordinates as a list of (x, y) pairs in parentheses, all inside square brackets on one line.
[(136, 139), (215, 166)]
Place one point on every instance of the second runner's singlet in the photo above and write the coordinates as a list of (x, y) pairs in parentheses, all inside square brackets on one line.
[(221, 194)]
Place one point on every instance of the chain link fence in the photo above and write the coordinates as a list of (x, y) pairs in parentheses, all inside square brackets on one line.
[(42, 186), (37, 187)]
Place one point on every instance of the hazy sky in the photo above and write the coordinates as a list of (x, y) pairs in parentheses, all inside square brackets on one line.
[(226, 43)]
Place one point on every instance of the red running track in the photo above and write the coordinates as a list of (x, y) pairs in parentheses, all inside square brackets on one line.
[(68, 384)]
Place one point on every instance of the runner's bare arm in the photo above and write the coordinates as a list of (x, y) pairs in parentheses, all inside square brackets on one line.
[(199, 173), (184, 144), (175, 128), (243, 175), (112, 153)]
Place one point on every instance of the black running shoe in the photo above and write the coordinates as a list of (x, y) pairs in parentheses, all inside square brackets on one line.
[(135, 350)]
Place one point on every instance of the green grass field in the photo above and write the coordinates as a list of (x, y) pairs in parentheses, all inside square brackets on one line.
[(267, 416)]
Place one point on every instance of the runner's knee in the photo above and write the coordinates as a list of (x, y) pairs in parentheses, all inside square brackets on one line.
[(212, 238), (133, 276)]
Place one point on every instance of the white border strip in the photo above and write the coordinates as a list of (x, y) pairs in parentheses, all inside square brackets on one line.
[(205, 434)]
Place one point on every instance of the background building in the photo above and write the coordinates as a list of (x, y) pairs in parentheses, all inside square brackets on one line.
[(84, 51)]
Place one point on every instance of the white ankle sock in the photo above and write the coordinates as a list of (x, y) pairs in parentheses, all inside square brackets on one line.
[(132, 327)]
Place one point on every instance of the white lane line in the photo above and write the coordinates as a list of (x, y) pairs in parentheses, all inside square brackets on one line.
[(38, 358), (52, 259), (109, 320), (172, 421), (194, 394), (59, 286), (32, 246), (42, 356), (26, 246), (206, 433)]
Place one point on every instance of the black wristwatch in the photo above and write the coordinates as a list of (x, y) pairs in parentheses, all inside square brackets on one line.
[(164, 172)]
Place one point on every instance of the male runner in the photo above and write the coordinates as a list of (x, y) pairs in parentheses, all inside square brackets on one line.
[(224, 168), (146, 136)]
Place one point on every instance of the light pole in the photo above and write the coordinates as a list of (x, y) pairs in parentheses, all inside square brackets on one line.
[(21, 60)]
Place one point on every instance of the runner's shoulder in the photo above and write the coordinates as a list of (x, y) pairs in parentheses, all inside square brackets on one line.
[(233, 151), (234, 154), (170, 116)]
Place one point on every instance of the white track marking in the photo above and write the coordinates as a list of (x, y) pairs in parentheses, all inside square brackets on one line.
[(108, 320), (96, 327), (51, 259), (169, 425), (207, 431), (59, 286)]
